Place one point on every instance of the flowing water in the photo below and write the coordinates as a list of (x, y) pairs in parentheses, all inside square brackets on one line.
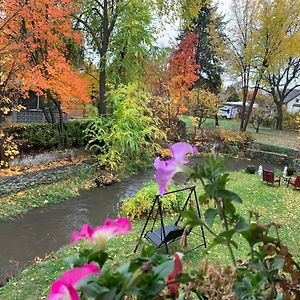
[(43, 230)]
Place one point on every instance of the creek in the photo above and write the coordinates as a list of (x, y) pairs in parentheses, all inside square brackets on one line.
[(44, 230)]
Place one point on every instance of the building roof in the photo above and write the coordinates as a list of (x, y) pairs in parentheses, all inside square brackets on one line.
[(292, 95)]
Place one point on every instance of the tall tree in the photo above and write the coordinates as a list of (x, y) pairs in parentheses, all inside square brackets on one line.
[(243, 15), (97, 19), (281, 84), (182, 71), (262, 47), (210, 45), (40, 34)]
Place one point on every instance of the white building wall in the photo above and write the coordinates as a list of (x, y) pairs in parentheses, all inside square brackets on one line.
[(290, 105)]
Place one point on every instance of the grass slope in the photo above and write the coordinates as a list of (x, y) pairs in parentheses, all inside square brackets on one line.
[(19, 203), (280, 204), (270, 136)]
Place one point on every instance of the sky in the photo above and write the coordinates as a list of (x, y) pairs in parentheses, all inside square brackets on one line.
[(168, 36)]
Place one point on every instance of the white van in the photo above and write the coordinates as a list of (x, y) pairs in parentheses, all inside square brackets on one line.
[(227, 112)]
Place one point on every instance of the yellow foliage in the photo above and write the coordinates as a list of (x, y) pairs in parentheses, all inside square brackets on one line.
[(232, 137), (8, 149), (202, 104)]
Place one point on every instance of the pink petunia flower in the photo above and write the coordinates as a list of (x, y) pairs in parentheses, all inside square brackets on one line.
[(64, 288), (101, 234), (173, 287), (86, 232), (165, 170), (180, 150)]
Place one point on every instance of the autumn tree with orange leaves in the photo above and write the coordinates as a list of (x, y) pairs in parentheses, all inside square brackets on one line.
[(170, 78), (40, 34), (182, 71)]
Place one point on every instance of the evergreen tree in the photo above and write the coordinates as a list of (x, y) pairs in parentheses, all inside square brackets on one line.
[(209, 26)]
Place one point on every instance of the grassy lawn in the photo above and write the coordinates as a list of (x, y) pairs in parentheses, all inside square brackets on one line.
[(271, 136), (280, 204), (19, 203)]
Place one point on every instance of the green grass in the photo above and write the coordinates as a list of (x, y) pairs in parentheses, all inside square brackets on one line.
[(280, 204), (19, 203), (269, 136)]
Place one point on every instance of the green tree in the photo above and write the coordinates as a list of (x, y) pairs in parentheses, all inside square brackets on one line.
[(211, 40), (263, 112), (131, 44), (281, 83), (202, 104), (129, 132), (265, 34), (234, 97)]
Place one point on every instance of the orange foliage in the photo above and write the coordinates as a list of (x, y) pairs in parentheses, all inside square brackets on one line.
[(182, 70), (38, 33)]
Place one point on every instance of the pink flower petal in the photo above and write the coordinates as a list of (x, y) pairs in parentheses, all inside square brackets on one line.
[(165, 170), (180, 150), (60, 291), (73, 276), (114, 227), (65, 286), (86, 232), (173, 288)]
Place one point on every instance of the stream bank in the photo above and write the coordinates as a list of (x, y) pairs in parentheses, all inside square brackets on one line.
[(44, 230)]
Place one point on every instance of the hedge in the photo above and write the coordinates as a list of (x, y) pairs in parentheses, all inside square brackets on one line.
[(276, 149), (38, 137)]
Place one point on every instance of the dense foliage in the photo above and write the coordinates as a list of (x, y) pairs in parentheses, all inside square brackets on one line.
[(129, 132), (139, 206), (35, 137)]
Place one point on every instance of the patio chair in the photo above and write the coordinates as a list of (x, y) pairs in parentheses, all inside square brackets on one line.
[(295, 182), (269, 177)]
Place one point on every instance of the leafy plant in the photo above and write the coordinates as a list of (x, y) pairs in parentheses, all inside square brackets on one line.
[(290, 171), (128, 132), (139, 206), (257, 278), (35, 137), (250, 169)]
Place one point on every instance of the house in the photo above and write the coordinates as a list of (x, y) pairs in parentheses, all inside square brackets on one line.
[(292, 101), (33, 112)]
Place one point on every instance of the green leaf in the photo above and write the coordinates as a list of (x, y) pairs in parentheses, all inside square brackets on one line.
[(164, 269), (228, 195), (191, 218), (278, 263), (234, 244), (241, 225), (210, 215)]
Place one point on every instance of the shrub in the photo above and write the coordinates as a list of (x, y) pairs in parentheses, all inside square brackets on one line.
[(228, 137), (290, 121), (36, 137), (250, 170), (290, 171), (139, 206), (128, 132), (275, 149)]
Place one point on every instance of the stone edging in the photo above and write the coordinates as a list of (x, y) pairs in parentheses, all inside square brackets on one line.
[(16, 183)]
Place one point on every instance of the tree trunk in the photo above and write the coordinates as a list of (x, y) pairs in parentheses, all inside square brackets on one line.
[(216, 120), (102, 87), (60, 126), (279, 119), (245, 94), (249, 111)]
